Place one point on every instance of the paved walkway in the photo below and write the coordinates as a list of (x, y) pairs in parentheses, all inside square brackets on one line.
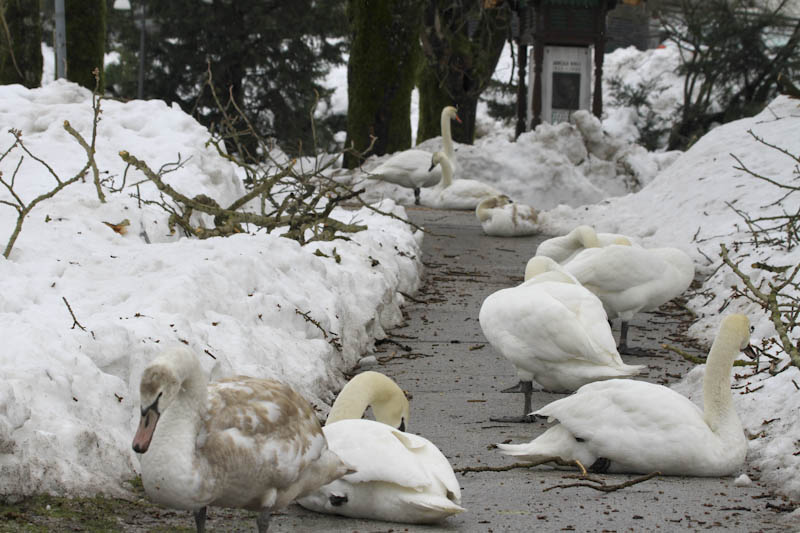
[(454, 377)]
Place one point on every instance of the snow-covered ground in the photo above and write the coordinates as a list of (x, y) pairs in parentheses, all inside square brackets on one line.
[(68, 397)]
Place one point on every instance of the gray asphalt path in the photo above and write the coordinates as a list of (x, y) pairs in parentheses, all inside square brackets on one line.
[(454, 377)]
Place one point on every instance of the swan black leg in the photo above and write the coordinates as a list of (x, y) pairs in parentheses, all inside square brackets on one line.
[(526, 388), (416, 195), (623, 347), (263, 521), (200, 519)]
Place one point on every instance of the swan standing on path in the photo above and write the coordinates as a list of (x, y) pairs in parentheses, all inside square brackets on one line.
[(410, 168), (631, 426), (239, 442), (457, 194), (501, 217), (565, 247), (629, 279), (400, 477), (553, 330)]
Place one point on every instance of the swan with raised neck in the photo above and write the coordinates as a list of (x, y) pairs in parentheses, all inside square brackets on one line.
[(630, 426), (240, 442)]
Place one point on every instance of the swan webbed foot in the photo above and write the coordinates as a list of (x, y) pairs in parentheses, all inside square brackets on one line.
[(525, 387), (525, 419), (623, 347), (600, 466), (200, 519), (263, 521), (337, 500)]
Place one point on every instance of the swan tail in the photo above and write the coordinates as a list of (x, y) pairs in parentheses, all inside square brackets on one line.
[(556, 442), (435, 508)]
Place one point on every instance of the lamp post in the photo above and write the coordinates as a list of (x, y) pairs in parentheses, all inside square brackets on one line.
[(61, 40)]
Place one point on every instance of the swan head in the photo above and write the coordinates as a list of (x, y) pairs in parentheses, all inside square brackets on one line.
[(436, 159), (491, 202), (736, 328), (586, 236), (160, 385), (540, 264), (451, 113), (372, 389)]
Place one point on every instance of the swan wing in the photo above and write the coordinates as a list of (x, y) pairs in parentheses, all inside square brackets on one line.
[(615, 268), (551, 321), (379, 453), (260, 435), (622, 418)]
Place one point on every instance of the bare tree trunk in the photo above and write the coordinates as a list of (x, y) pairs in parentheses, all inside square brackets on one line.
[(462, 42), (20, 43), (86, 37), (380, 74)]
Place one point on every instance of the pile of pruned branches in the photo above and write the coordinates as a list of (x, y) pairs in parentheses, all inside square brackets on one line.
[(280, 193), (778, 288)]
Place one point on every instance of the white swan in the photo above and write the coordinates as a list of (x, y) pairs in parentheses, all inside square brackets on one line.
[(629, 279), (410, 168), (553, 330), (456, 193), (239, 442), (565, 247), (501, 217), (632, 426), (400, 477)]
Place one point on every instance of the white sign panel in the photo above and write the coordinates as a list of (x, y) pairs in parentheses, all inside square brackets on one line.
[(566, 82)]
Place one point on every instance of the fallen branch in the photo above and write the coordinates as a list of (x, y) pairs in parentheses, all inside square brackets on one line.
[(702, 360), (556, 460), (599, 484), (74, 320)]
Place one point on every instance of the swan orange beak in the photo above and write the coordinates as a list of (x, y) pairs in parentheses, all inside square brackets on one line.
[(457, 119), (147, 426)]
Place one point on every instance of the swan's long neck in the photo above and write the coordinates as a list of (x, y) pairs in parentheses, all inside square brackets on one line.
[(447, 137), (717, 399), (447, 171), (369, 389), (175, 473)]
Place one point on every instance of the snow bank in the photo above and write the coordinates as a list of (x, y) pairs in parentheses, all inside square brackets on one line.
[(69, 396)]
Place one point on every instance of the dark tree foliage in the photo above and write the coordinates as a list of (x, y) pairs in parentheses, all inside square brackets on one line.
[(732, 52), (380, 73), (86, 38), (20, 43), (462, 42), (270, 55)]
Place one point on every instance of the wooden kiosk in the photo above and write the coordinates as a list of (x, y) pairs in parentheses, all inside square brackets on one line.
[(562, 23)]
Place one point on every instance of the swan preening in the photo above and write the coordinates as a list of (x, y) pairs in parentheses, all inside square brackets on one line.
[(632, 426), (501, 217), (629, 279), (456, 193), (410, 168), (239, 442), (553, 330), (400, 477)]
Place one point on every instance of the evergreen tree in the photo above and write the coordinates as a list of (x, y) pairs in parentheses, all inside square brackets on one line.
[(270, 55), (20, 43), (462, 42), (384, 54), (86, 40)]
